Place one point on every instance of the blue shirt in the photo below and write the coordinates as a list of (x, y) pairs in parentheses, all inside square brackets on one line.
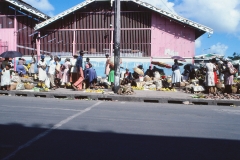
[(175, 67), (79, 62), (20, 68)]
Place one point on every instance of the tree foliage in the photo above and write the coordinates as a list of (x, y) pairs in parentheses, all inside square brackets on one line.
[(236, 56)]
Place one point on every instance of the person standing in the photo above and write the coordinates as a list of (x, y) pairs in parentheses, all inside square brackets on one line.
[(79, 64), (88, 62), (111, 75), (107, 65), (149, 72), (58, 72), (220, 69), (228, 77), (5, 77), (4, 63), (32, 65), (210, 77), (176, 74), (65, 78), (214, 62), (51, 71), (73, 70), (42, 65)]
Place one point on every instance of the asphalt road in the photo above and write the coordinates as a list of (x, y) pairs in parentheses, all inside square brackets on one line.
[(41, 128)]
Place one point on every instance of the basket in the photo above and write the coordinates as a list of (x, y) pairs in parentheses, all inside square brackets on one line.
[(138, 71), (182, 84), (28, 86), (13, 86), (234, 89), (219, 85), (147, 78), (238, 90)]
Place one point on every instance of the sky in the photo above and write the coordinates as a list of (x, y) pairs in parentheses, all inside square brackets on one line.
[(223, 16)]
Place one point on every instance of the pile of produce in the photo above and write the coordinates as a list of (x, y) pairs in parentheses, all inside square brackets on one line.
[(36, 89), (167, 89), (99, 87), (137, 88), (41, 87), (94, 90), (125, 90)]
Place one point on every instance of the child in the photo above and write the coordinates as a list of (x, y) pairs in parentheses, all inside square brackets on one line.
[(5, 77)]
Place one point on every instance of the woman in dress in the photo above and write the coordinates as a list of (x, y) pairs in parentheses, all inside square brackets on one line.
[(58, 72), (32, 66), (228, 77), (5, 77), (73, 73), (210, 78), (65, 78), (214, 61), (42, 65), (176, 74)]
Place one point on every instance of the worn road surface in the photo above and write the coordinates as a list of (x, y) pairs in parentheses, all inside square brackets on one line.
[(42, 129)]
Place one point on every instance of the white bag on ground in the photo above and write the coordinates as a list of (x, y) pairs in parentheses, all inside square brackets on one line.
[(158, 84), (15, 79), (20, 86), (156, 74), (47, 82)]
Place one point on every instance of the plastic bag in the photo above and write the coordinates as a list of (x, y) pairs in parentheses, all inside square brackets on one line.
[(15, 79), (20, 86), (47, 82)]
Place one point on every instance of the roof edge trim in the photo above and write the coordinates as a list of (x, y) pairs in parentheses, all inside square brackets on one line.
[(142, 3), (174, 16), (62, 14), (28, 8)]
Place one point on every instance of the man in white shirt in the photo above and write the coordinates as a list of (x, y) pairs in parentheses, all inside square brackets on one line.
[(51, 71)]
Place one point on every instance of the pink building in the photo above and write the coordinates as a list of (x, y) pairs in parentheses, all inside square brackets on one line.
[(146, 31), (17, 21)]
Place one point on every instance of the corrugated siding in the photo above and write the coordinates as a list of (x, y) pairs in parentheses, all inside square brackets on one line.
[(24, 28), (7, 39), (94, 30), (170, 38), (3, 46)]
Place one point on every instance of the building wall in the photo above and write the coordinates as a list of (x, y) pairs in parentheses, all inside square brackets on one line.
[(144, 33), (7, 38), (16, 29), (91, 29), (7, 41), (171, 39)]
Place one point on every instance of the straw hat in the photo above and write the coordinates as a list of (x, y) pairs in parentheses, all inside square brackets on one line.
[(75, 55), (139, 71)]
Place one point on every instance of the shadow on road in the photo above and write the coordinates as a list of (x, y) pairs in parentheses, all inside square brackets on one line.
[(68, 144)]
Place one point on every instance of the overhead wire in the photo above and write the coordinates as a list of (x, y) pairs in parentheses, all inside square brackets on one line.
[(167, 7)]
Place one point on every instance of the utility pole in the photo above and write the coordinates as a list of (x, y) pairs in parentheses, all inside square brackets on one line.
[(117, 34)]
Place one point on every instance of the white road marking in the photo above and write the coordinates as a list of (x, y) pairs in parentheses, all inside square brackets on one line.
[(40, 108), (50, 130)]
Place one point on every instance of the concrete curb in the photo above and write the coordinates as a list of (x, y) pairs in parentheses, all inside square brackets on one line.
[(125, 98)]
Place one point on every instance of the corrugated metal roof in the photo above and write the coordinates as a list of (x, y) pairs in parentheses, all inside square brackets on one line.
[(145, 4), (23, 5), (59, 16)]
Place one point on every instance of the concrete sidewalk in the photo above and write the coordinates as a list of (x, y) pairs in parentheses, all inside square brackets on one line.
[(177, 97)]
